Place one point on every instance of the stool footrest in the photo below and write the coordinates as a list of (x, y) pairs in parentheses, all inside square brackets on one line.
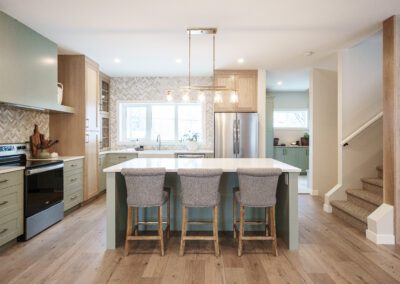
[(199, 222), (142, 238), (198, 238)]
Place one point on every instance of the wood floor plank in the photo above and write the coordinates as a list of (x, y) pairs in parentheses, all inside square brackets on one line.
[(74, 251)]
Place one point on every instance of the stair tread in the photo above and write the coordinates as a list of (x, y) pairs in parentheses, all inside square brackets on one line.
[(374, 181), (366, 195), (353, 210)]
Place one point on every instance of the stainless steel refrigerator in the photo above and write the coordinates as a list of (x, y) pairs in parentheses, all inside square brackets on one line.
[(236, 135)]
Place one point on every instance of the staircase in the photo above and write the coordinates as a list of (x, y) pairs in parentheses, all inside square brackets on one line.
[(360, 202)]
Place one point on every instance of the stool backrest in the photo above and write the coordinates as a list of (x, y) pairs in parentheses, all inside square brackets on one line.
[(144, 186), (200, 186), (258, 186)]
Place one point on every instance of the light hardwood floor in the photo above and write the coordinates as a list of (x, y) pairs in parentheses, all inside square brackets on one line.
[(73, 251)]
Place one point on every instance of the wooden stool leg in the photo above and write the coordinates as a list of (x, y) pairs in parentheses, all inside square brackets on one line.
[(160, 230), (136, 224), (168, 218), (234, 217), (241, 231), (215, 230), (267, 222), (273, 230), (128, 230), (184, 225)]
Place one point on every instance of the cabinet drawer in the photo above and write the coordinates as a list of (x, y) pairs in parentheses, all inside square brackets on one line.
[(72, 165), (11, 178), (73, 199), (10, 226), (11, 199), (73, 179)]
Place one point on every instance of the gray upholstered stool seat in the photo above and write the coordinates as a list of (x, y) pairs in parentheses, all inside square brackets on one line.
[(257, 188), (200, 189), (145, 188)]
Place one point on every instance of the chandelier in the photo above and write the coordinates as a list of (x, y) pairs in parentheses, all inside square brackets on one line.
[(201, 91)]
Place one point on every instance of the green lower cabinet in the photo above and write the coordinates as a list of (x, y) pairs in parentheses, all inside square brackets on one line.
[(11, 205), (102, 175), (295, 156)]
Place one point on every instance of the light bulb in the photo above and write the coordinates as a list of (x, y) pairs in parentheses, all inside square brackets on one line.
[(217, 98), (234, 97), (185, 97), (201, 97), (169, 96)]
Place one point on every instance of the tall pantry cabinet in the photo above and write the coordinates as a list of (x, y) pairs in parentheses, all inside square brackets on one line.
[(79, 133)]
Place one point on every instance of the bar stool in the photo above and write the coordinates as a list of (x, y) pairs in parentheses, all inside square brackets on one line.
[(200, 189), (257, 188), (145, 188)]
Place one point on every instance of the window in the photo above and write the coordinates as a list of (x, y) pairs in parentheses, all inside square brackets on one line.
[(291, 119), (144, 121)]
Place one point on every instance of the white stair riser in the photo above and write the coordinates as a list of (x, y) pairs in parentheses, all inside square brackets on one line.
[(361, 202), (354, 222), (372, 188)]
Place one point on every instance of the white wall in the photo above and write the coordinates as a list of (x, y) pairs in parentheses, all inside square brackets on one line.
[(323, 130), (261, 108), (361, 97), (285, 101)]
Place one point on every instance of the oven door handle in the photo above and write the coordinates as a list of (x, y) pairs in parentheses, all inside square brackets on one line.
[(43, 169)]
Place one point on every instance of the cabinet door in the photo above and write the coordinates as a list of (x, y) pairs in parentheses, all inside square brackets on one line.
[(292, 157), (246, 85), (102, 176), (91, 164), (92, 97), (279, 154), (228, 81)]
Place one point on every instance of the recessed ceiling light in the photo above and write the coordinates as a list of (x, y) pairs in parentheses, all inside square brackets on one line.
[(308, 53), (178, 60), (240, 60), (117, 60), (279, 83)]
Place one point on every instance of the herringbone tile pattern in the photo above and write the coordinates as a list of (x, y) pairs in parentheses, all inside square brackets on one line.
[(16, 125)]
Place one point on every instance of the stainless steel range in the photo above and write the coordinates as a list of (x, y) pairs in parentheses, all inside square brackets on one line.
[(43, 189)]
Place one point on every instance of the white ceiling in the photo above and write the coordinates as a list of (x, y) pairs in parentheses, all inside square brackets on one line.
[(149, 35)]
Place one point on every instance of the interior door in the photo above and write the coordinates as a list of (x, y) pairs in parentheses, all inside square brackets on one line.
[(247, 135), (224, 135)]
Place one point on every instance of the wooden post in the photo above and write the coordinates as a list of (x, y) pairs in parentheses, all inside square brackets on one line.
[(391, 117)]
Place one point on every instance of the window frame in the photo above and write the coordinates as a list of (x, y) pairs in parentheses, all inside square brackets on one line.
[(292, 110), (121, 137)]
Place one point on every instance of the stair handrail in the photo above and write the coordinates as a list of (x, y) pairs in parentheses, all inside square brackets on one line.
[(346, 141)]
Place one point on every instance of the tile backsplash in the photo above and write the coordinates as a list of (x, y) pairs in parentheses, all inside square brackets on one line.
[(147, 89), (16, 125)]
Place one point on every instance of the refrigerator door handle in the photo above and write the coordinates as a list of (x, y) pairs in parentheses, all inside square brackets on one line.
[(238, 136), (234, 136)]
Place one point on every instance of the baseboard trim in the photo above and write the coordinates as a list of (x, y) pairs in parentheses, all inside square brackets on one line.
[(327, 208), (380, 239)]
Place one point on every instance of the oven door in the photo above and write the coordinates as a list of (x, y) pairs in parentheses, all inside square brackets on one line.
[(44, 187)]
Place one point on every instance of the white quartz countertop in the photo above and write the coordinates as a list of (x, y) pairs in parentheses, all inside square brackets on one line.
[(227, 165), (131, 151), (59, 158), (7, 169)]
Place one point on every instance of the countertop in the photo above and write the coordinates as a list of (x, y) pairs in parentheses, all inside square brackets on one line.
[(227, 165), (292, 146), (62, 158), (7, 169), (133, 151)]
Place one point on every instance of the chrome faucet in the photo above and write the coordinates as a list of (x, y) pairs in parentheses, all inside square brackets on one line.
[(159, 142)]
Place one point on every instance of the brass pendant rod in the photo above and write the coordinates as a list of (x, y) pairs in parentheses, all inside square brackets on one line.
[(190, 45)]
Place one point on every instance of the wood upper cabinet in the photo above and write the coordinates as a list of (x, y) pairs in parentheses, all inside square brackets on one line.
[(245, 82), (92, 97)]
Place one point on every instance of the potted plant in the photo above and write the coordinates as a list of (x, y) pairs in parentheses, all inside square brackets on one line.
[(191, 140), (305, 139)]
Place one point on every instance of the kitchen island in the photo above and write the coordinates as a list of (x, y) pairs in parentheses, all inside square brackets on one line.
[(286, 207)]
